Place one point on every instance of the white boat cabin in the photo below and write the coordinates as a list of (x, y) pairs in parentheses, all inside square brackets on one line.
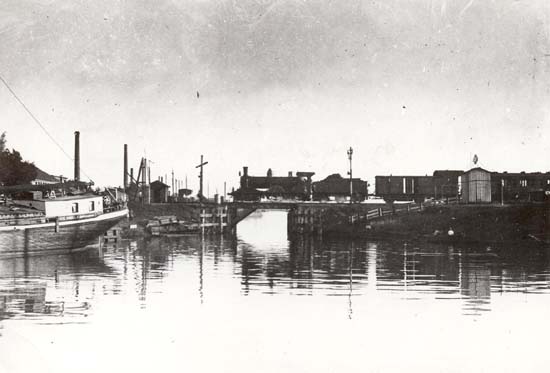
[(70, 206)]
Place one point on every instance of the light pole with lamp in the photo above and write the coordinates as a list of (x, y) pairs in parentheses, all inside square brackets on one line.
[(350, 155)]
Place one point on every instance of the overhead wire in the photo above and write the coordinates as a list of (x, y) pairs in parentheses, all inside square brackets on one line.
[(37, 121)]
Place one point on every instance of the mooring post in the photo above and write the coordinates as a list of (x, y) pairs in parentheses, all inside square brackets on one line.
[(202, 221), (57, 225), (220, 216)]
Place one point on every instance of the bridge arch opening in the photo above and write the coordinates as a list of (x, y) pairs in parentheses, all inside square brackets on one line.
[(264, 226)]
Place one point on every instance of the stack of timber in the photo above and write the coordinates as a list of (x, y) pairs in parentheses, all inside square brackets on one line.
[(170, 224), (211, 221)]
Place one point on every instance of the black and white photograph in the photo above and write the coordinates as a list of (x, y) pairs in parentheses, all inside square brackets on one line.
[(275, 186)]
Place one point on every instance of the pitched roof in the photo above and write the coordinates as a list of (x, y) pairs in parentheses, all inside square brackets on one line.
[(41, 175), (477, 169), (159, 184)]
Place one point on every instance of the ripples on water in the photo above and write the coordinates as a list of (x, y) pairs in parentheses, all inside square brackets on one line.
[(262, 303)]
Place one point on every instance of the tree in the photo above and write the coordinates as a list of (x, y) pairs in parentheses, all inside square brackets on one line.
[(13, 170), (3, 142)]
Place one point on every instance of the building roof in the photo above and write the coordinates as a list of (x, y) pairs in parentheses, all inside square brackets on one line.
[(477, 169), (44, 176), (70, 198), (158, 184)]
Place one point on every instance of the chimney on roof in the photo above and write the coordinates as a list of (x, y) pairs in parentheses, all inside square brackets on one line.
[(245, 171), (77, 156), (289, 173)]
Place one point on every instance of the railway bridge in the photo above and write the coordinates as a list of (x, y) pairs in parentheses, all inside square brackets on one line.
[(303, 217), (308, 217)]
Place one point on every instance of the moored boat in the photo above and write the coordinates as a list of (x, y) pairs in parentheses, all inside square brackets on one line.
[(52, 224)]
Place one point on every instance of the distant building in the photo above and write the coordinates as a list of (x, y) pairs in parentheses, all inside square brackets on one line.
[(159, 192), (476, 186), (289, 187), (43, 178), (337, 188)]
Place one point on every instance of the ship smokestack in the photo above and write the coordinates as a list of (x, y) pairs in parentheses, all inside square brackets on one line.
[(77, 156), (125, 166)]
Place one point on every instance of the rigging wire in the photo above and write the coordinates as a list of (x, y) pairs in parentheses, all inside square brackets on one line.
[(40, 124)]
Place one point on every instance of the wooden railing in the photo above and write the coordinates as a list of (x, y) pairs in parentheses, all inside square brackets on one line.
[(400, 209)]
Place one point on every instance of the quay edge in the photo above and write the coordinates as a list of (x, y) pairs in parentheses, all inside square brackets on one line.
[(521, 223)]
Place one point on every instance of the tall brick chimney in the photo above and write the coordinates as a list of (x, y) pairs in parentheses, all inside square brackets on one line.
[(77, 156), (125, 166)]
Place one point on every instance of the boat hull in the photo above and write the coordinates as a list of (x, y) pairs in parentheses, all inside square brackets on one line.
[(69, 235)]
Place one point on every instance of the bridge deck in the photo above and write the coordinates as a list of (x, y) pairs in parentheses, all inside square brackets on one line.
[(291, 204)]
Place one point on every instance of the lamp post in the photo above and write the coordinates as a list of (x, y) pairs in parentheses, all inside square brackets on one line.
[(502, 192), (350, 156)]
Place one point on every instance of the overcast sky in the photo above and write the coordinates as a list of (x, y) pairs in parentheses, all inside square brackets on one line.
[(412, 86)]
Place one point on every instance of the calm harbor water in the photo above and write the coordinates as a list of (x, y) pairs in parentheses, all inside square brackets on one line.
[(263, 304)]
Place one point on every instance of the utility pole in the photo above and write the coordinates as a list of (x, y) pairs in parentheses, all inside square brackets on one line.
[(201, 177), (173, 186), (350, 155)]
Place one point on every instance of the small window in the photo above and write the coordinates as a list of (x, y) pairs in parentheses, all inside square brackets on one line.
[(523, 183), (75, 208), (92, 205)]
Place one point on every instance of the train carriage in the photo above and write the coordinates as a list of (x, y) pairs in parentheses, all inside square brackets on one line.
[(443, 184)]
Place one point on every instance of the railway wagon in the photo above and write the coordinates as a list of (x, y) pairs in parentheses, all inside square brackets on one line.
[(404, 188), (442, 184)]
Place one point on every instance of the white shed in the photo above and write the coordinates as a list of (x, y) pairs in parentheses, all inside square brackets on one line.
[(476, 186)]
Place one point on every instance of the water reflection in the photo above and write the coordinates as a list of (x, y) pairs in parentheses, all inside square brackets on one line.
[(351, 268), (68, 284), (305, 267), (195, 297), (26, 281)]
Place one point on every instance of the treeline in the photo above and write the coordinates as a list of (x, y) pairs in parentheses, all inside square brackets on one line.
[(13, 169)]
